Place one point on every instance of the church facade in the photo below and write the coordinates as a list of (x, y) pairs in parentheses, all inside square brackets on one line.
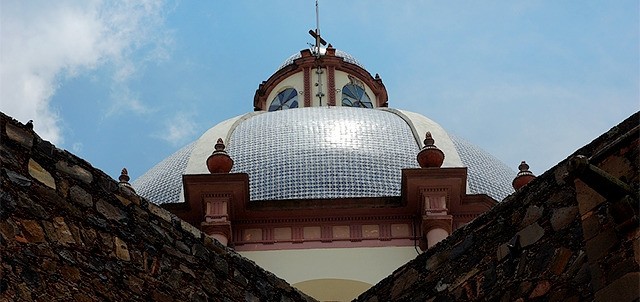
[(324, 184)]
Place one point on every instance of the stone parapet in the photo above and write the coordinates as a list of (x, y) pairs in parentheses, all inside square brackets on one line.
[(555, 239), (68, 231)]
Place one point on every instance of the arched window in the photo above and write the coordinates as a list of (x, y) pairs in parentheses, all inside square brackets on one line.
[(286, 99), (355, 96)]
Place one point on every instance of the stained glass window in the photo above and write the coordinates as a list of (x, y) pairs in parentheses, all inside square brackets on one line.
[(286, 99), (355, 96)]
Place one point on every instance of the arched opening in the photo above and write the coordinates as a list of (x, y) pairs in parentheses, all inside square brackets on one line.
[(355, 96), (333, 289), (286, 99)]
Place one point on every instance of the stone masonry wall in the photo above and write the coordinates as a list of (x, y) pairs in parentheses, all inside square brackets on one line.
[(70, 232), (610, 219), (531, 246)]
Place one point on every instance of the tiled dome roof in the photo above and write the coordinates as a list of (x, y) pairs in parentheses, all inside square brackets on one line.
[(324, 152)]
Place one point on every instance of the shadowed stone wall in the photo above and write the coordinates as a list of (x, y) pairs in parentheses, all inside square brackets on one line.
[(70, 232), (557, 239)]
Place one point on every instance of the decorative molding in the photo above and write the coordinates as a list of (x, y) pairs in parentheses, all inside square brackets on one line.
[(444, 222), (307, 86), (219, 228), (331, 85)]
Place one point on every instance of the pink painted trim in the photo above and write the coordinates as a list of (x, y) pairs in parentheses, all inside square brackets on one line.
[(276, 246)]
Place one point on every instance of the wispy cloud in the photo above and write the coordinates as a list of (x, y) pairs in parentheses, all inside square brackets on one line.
[(125, 100), (42, 42), (178, 129)]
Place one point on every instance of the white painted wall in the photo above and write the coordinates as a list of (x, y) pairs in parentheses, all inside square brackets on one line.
[(369, 265)]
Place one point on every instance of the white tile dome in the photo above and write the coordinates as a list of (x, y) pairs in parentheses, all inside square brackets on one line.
[(324, 152)]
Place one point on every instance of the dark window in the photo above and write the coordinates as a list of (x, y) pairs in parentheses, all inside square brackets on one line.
[(355, 96), (286, 99)]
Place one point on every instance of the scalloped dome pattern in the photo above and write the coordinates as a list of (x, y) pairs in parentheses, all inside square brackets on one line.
[(323, 152), (326, 152)]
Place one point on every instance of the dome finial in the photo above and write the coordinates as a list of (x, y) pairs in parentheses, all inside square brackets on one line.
[(523, 177), (124, 175), (219, 161), (219, 147), (430, 156), (124, 179)]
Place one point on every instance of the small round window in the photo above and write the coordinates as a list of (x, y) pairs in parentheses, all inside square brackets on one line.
[(355, 96), (286, 99)]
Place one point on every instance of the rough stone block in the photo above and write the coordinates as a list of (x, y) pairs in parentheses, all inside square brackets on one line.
[(24, 292), (191, 229), (587, 197), (80, 297), (502, 251), (404, 281), (7, 229), (600, 245), (531, 234), (161, 297), (187, 270), (590, 225), (52, 235), (435, 260), (19, 135), (562, 217), (160, 212), (63, 188), (616, 166), (32, 231), (541, 289), (122, 250), (624, 289), (39, 173), (70, 273), (560, 260), (64, 235), (80, 196), (465, 277), (532, 215), (75, 171), (18, 178), (135, 284), (123, 200), (108, 211)]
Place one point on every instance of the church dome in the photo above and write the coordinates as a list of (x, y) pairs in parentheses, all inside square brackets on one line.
[(322, 129), (323, 153)]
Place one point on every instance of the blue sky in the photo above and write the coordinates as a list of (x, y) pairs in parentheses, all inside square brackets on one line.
[(126, 83)]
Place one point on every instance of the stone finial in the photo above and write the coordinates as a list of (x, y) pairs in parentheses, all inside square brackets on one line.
[(124, 176), (430, 156), (523, 177), (124, 179), (219, 161), (330, 50)]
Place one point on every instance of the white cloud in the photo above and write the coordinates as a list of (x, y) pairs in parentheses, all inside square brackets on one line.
[(178, 128), (42, 42), (125, 100), (77, 147)]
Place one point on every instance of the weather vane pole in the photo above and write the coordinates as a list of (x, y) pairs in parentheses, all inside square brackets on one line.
[(317, 30), (316, 33)]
